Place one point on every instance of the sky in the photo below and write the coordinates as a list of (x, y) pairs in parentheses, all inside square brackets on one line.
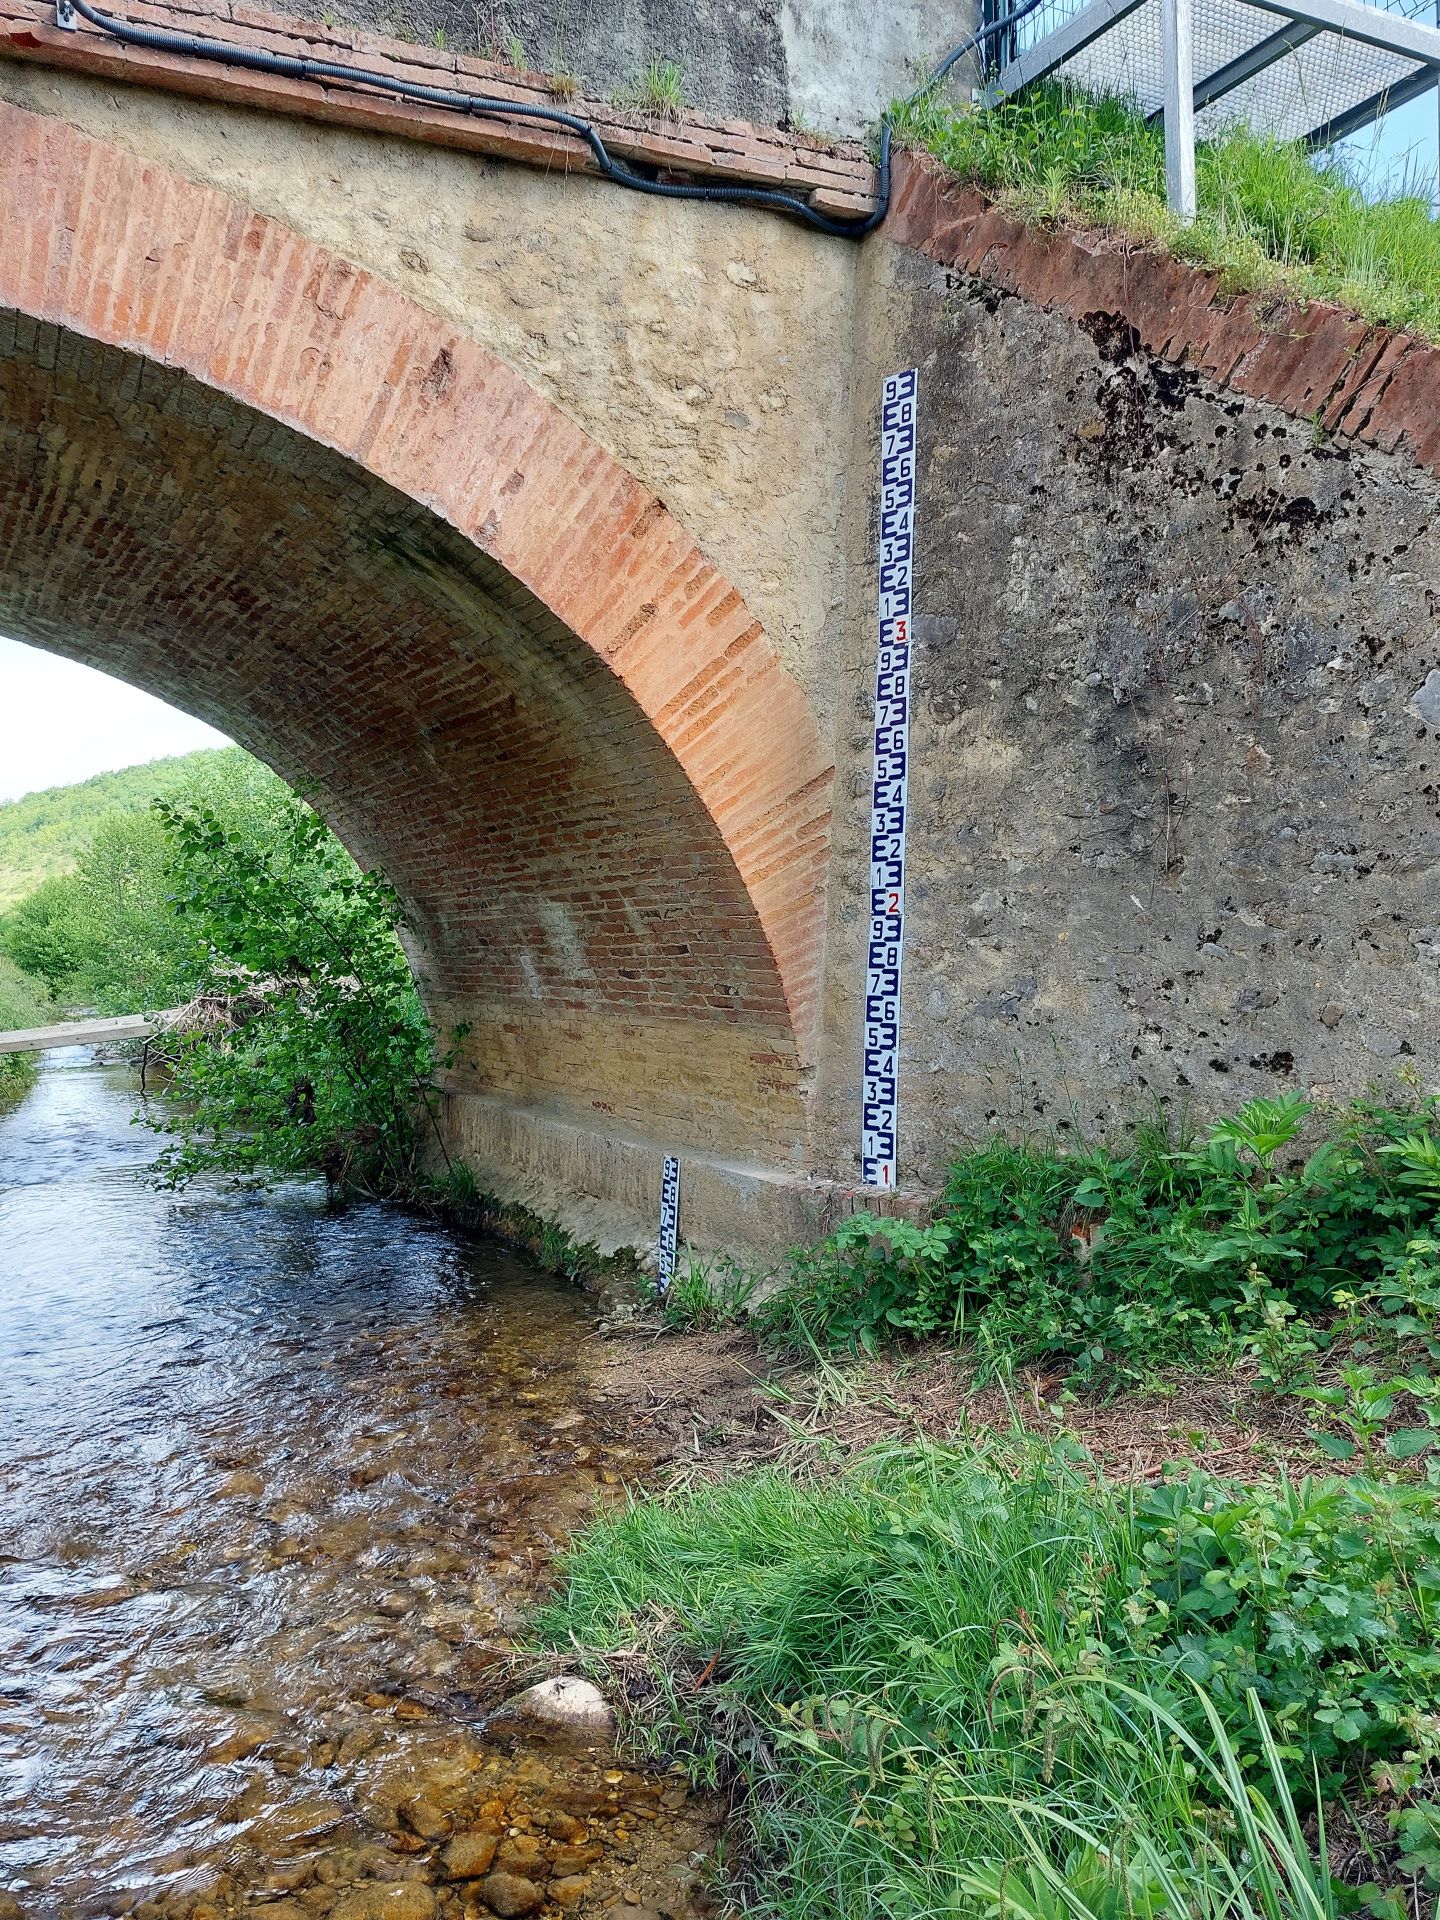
[(1397, 149), (61, 722)]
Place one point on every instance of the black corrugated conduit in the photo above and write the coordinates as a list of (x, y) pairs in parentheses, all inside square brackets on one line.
[(299, 67)]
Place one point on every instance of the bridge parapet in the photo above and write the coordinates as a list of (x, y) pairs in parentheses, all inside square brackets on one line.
[(836, 178)]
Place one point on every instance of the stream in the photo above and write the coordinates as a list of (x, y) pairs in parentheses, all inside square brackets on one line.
[(276, 1484)]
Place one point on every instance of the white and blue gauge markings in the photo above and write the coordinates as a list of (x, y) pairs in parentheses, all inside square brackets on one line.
[(879, 1143), (669, 1224)]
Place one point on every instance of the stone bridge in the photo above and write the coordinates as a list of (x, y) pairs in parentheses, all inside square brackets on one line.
[(528, 525)]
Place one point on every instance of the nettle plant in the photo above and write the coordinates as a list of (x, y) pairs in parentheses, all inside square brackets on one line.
[(1323, 1597)]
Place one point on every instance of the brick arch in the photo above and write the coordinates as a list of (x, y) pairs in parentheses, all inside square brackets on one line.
[(122, 252), (240, 472)]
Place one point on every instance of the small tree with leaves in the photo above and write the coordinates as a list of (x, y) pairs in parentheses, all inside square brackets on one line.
[(324, 1063)]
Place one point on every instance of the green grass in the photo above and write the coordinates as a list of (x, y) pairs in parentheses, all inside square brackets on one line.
[(979, 1679), (974, 1680), (660, 91), (1270, 217), (43, 834)]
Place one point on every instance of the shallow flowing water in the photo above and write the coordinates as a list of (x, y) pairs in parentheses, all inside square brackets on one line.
[(274, 1484)]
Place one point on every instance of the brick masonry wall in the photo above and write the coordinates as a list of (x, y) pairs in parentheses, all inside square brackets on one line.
[(367, 548), (707, 349), (573, 901), (1175, 768)]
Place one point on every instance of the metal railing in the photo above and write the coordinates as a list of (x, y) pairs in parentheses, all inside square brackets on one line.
[(1314, 70)]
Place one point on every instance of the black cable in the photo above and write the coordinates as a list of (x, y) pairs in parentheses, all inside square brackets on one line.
[(299, 67)]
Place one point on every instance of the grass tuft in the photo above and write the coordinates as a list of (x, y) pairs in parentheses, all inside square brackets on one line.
[(660, 91), (1271, 217), (707, 1295)]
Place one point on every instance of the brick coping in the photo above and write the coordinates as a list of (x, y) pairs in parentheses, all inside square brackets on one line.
[(838, 180), (1359, 382)]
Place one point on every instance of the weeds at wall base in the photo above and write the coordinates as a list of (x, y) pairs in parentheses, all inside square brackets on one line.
[(456, 1198)]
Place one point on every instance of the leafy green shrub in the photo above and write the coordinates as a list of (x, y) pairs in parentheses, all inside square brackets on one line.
[(953, 1673), (869, 1279), (23, 1003), (325, 1068), (47, 934), (305, 1048), (1175, 1250), (1364, 1404), (1406, 1294), (1322, 1597), (105, 934)]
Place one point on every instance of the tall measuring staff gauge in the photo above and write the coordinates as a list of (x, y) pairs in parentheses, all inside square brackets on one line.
[(889, 793), (885, 946)]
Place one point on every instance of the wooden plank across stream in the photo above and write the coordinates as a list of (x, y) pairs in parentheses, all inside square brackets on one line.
[(81, 1033)]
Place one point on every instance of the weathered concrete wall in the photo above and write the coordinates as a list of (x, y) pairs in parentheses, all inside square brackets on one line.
[(829, 65), (1174, 753), (604, 1184)]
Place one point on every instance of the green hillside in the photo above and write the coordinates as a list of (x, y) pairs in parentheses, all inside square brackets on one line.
[(43, 833)]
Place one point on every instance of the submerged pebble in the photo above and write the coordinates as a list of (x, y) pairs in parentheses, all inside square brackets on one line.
[(269, 1491)]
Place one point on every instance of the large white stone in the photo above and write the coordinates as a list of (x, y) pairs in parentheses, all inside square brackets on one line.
[(566, 1702), (1425, 702)]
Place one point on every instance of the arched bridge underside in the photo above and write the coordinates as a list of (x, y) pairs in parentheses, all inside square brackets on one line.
[(243, 474)]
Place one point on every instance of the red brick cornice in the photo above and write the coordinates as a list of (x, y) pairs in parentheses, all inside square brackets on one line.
[(125, 252), (1355, 380), (837, 179)]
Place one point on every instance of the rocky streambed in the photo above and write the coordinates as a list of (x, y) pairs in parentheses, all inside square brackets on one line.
[(276, 1487)]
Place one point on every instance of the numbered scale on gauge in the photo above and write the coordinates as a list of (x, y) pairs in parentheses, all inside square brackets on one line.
[(669, 1224), (888, 797)]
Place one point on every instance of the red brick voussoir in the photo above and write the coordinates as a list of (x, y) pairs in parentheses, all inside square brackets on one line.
[(127, 253), (1358, 381)]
